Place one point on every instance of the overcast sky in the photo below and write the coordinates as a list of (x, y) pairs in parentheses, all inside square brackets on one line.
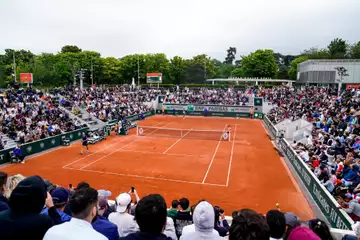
[(176, 27)]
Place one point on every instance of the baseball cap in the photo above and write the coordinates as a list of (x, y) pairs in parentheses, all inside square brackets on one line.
[(60, 195), (104, 193), (291, 219), (122, 201)]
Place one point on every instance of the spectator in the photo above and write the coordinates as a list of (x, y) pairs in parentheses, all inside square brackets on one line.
[(84, 208), (350, 176), (203, 218), (19, 154), (60, 198), (124, 221), (248, 225), (328, 184), (277, 224), (183, 216), (169, 230), (300, 233), (3, 200), (320, 228), (221, 225), (150, 214), (174, 209), (101, 224), (106, 194), (23, 219), (11, 184), (291, 222), (353, 208)]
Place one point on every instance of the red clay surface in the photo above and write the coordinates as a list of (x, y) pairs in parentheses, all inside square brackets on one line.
[(245, 172)]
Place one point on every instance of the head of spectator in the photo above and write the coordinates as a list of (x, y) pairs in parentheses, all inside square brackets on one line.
[(184, 204), (11, 183), (104, 193), (23, 220), (102, 205), (301, 233), (123, 203), (84, 204), (3, 200), (320, 228), (174, 208), (277, 224), (249, 225), (151, 215), (60, 197), (82, 185)]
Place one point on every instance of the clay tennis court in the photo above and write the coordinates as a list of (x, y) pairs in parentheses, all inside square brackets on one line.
[(245, 172)]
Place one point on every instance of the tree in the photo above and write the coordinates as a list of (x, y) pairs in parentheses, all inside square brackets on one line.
[(230, 57), (337, 48), (238, 72), (315, 53), (177, 70), (223, 70), (111, 71), (354, 52), (293, 69), (70, 48), (260, 63)]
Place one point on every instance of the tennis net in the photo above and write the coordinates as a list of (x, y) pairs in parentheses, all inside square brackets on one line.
[(216, 135)]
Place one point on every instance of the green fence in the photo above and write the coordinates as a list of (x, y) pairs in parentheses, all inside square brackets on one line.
[(321, 196), (213, 110), (42, 145)]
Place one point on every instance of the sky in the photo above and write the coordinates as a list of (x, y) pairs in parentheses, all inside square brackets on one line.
[(177, 27)]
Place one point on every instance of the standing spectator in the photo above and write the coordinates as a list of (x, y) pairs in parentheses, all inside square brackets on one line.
[(11, 184), (3, 201), (23, 219), (124, 221), (204, 218), (248, 224), (60, 198), (150, 214), (19, 154), (174, 209), (84, 208), (183, 217), (101, 224), (276, 221)]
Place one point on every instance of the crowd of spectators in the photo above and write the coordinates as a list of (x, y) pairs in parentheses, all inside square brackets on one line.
[(332, 150), (28, 115), (33, 208), (109, 103), (216, 96)]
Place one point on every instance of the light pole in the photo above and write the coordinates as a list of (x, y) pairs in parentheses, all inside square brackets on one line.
[(138, 65), (342, 72), (14, 64)]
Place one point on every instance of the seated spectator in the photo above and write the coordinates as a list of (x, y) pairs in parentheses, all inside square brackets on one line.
[(221, 225), (150, 214), (19, 154), (106, 194), (122, 218), (320, 228), (84, 208), (328, 184), (203, 218), (169, 230), (300, 233), (350, 176), (3, 200), (353, 207), (101, 224), (11, 184), (174, 209), (60, 198), (183, 216), (248, 225), (277, 224), (291, 222), (23, 219)]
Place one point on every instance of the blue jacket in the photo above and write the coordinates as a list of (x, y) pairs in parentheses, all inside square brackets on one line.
[(352, 174), (18, 152), (3, 203), (106, 228), (64, 217)]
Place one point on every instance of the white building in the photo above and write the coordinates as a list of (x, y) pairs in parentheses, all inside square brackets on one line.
[(324, 71)]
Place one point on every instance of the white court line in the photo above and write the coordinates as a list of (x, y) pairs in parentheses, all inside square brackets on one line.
[(177, 141), (213, 157), (117, 141), (170, 154), (145, 177), (112, 152), (231, 157)]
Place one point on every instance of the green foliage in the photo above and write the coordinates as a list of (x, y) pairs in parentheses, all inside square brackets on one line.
[(70, 48), (293, 69), (177, 69), (260, 63), (355, 51), (230, 56), (337, 48), (315, 53)]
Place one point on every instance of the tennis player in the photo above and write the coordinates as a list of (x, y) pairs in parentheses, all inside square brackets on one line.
[(84, 143), (228, 132), (184, 113)]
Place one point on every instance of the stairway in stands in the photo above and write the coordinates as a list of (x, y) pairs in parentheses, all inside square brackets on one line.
[(10, 143)]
